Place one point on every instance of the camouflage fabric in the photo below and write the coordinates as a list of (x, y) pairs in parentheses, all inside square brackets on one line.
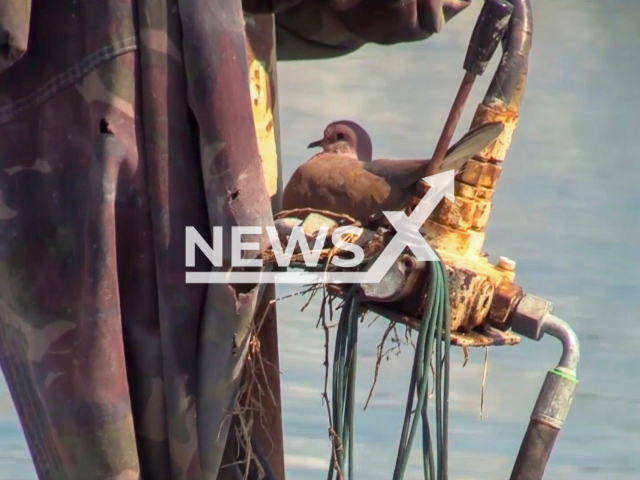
[(106, 155), (121, 123), (330, 28)]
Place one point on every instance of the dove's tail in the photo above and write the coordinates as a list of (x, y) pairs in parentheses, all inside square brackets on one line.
[(472, 143)]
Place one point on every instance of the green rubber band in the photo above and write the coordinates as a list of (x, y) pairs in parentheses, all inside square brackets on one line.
[(565, 375)]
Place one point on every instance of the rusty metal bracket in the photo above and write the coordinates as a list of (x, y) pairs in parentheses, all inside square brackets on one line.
[(482, 293), (401, 296)]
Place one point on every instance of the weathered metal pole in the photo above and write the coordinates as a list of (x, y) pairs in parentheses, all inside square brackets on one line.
[(533, 319), (261, 57), (487, 34), (457, 230)]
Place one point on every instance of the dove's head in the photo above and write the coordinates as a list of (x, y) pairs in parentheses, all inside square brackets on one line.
[(346, 137)]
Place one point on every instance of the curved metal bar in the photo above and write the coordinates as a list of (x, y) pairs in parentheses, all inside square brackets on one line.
[(558, 328), (553, 404), (512, 70)]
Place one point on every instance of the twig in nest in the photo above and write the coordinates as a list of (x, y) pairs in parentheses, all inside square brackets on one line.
[(243, 434), (331, 299), (336, 443), (382, 353), (484, 379), (379, 355), (322, 319), (374, 320), (310, 288), (327, 298), (314, 289), (327, 301), (251, 394), (297, 212), (465, 351), (409, 337), (397, 348)]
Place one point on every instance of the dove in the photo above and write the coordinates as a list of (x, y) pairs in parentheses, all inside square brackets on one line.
[(347, 138), (341, 183)]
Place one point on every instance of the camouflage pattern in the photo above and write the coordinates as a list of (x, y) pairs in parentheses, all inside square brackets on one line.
[(329, 28), (121, 123)]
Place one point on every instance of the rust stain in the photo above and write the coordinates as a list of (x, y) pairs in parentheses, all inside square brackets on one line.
[(472, 172), (263, 118), (458, 228), (482, 212), (490, 175), (488, 337), (484, 193), (505, 299), (498, 151), (474, 285), (465, 191)]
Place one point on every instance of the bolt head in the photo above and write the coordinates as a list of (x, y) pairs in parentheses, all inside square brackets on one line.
[(528, 316), (505, 263), (506, 297)]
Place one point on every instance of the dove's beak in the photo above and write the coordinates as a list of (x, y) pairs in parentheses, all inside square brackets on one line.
[(317, 143)]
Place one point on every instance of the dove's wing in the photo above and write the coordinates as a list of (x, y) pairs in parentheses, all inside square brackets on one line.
[(405, 173), (472, 143), (399, 173)]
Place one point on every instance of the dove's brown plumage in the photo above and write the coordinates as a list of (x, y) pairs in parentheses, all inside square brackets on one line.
[(363, 190)]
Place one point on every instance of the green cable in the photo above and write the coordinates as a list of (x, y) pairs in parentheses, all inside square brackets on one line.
[(436, 321), (447, 371), (337, 397), (355, 312), (438, 387), (427, 445), (343, 385), (416, 383)]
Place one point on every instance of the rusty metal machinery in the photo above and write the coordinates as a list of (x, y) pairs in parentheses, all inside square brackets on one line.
[(485, 302), (483, 295), (487, 306)]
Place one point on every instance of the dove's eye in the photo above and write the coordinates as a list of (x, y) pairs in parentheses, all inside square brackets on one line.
[(340, 136)]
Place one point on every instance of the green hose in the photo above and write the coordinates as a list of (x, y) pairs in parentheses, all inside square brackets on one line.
[(435, 322), (344, 383), (436, 319)]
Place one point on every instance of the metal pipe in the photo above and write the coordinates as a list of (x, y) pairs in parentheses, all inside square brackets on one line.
[(263, 79), (512, 68), (460, 230), (487, 34), (558, 328), (451, 124), (534, 452), (553, 404)]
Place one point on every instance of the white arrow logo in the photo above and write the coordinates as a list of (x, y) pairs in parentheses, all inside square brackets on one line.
[(407, 228)]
